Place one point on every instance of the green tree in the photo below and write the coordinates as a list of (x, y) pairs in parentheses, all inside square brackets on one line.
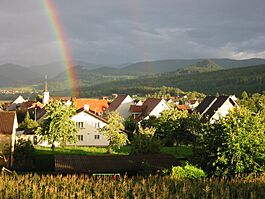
[(234, 144), (57, 125), (28, 123), (144, 141), (114, 131)]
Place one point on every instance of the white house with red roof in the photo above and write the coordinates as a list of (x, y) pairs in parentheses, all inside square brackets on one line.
[(122, 104), (88, 134), (89, 124)]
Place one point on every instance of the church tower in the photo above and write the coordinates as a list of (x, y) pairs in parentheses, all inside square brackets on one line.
[(46, 94)]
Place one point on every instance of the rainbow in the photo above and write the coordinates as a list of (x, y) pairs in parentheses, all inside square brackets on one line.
[(62, 44)]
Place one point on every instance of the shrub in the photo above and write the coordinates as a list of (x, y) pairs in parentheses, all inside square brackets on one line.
[(187, 172), (145, 143), (23, 155)]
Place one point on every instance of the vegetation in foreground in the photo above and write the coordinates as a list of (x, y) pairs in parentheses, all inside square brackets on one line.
[(76, 186)]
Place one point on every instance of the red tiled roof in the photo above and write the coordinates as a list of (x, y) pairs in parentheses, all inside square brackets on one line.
[(183, 107), (7, 119), (117, 101), (95, 105)]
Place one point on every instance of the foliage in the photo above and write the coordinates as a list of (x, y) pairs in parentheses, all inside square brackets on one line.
[(187, 172), (175, 126), (255, 102), (23, 155), (28, 123), (113, 131), (82, 186), (130, 127), (144, 142), (4, 151), (57, 125), (234, 144)]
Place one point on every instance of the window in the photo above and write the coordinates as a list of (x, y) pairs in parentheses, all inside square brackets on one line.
[(80, 125), (97, 137), (80, 137)]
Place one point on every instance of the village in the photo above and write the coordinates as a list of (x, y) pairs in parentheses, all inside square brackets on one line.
[(90, 118)]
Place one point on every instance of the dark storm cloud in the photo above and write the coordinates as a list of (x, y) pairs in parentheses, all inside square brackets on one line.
[(129, 30)]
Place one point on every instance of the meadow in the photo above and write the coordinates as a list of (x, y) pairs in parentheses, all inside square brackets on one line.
[(83, 186)]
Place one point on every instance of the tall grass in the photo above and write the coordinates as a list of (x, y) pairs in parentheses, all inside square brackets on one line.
[(82, 186)]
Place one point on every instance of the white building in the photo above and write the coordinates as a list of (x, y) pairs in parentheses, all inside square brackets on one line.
[(88, 133)]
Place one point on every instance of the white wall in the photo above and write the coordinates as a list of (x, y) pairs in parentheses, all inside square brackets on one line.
[(91, 128), (222, 111), (159, 108)]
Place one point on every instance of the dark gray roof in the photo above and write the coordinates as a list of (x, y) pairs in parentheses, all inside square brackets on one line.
[(204, 104), (211, 104)]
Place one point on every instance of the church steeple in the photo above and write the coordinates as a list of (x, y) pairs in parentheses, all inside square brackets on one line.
[(46, 84), (46, 94)]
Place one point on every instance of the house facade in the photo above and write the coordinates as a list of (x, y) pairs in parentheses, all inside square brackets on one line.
[(88, 133), (8, 126)]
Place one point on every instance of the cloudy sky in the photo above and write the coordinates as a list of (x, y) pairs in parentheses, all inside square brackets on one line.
[(121, 31)]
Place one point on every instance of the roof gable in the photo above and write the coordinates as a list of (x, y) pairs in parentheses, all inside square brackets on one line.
[(150, 104), (117, 102), (210, 105), (91, 114)]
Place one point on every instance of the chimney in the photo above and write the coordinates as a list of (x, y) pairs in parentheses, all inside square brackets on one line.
[(86, 107)]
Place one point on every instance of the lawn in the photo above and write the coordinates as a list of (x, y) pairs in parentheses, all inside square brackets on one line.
[(78, 150), (182, 151)]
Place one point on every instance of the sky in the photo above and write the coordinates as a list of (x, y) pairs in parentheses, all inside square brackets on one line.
[(126, 31)]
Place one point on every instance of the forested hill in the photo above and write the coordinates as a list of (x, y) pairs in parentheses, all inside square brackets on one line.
[(231, 81)]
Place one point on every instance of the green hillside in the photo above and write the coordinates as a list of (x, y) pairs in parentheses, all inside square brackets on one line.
[(200, 67), (232, 81)]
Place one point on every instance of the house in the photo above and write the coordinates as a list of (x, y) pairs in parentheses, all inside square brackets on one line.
[(8, 126), (88, 124), (16, 103), (150, 107), (214, 108), (88, 134), (122, 104)]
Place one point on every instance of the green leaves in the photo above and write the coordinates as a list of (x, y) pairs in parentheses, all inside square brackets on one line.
[(234, 144), (113, 131), (58, 125)]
